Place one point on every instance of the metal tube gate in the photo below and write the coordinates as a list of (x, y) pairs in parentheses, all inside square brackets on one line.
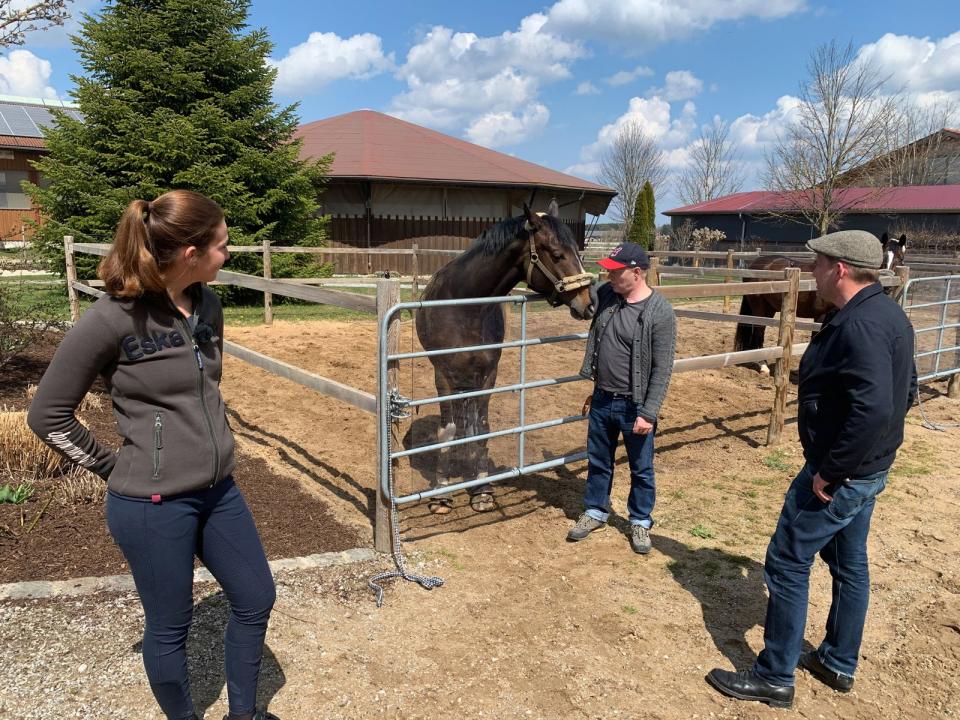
[(938, 323), (394, 407)]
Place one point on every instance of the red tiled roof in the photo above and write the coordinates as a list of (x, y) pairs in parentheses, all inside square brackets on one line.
[(913, 198), (370, 144), (16, 141)]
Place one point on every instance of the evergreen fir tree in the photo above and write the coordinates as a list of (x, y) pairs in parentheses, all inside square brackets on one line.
[(177, 94), (648, 230), (635, 234)]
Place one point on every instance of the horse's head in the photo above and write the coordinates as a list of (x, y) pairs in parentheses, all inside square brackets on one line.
[(893, 251), (552, 265)]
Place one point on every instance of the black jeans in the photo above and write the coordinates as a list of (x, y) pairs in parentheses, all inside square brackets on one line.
[(159, 541)]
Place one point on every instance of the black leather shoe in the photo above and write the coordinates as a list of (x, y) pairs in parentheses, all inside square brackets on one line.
[(259, 715), (745, 685), (810, 662)]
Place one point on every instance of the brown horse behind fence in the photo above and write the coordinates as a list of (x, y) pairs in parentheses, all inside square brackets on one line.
[(809, 304), (537, 249)]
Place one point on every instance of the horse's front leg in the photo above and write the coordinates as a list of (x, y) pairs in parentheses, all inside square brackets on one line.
[(482, 496), (442, 474)]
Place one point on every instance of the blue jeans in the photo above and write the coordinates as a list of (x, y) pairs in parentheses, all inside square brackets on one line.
[(610, 417), (838, 532), (159, 541)]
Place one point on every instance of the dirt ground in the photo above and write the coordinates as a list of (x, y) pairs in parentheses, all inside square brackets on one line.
[(527, 625)]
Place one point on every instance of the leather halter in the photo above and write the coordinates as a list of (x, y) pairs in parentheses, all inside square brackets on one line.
[(564, 284)]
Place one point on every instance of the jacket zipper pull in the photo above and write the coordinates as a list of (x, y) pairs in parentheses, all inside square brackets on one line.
[(196, 351), (158, 431)]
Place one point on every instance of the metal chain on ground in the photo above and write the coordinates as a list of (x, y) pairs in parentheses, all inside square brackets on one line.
[(427, 582)]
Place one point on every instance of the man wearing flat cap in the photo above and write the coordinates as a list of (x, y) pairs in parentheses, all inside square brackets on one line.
[(629, 356), (857, 382)]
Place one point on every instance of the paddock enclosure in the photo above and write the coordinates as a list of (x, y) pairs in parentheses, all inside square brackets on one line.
[(526, 625)]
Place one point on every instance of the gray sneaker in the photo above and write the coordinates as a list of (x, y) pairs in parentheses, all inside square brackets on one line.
[(585, 525), (640, 539)]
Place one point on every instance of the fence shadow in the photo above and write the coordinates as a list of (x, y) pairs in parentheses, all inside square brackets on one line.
[(299, 458)]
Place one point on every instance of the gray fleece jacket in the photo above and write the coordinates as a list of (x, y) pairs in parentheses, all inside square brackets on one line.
[(164, 379), (654, 347)]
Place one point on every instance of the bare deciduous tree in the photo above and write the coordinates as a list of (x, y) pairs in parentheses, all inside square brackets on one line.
[(714, 168), (18, 17), (841, 123), (631, 160)]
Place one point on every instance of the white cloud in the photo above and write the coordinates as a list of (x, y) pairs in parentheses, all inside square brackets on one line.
[(755, 134), (584, 170), (486, 87), (507, 128), (326, 57), (625, 77), (23, 73), (643, 24), (917, 65), (680, 85), (587, 88)]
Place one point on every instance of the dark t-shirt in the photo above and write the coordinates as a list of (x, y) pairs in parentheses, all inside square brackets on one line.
[(616, 348)]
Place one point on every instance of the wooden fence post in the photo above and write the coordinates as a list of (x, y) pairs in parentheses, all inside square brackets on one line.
[(267, 275), (781, 374), (727, 279), (953, 386), (653, 272), (71, 277), (696, 259), (415, 266), (902, 272), (388, 295)]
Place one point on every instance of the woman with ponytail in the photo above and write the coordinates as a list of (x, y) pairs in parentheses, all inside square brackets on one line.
[(156, 339)]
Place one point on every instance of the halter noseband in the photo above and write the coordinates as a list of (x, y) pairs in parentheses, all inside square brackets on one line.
[(564, 284)]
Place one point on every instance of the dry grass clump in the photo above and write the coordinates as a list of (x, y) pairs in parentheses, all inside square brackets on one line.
[(24, 458), (22, 454)]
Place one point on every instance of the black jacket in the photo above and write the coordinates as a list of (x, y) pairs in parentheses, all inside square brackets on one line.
[(857, 382)]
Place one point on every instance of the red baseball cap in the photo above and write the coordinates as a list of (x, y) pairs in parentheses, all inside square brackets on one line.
[(626, 255)]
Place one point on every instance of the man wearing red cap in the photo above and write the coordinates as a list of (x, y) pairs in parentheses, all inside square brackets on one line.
[(629, 356)]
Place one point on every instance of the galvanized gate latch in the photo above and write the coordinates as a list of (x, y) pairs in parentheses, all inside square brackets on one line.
[(398, 406)]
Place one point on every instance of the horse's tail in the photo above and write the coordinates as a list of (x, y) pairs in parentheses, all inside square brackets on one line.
[(744, 332)]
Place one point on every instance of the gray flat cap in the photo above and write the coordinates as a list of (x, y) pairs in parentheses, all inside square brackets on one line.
[(855, 247)]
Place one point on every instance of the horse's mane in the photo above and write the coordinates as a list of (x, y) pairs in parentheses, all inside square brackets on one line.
[(495, 238)]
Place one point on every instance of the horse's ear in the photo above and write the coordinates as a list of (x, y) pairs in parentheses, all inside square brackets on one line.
[(903, 240), (532, 223), (884, 238)]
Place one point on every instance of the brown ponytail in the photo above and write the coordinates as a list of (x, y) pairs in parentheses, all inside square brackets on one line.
[(150, 234)]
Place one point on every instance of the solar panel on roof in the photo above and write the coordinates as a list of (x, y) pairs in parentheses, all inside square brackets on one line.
[(19, 122), (40, 115)]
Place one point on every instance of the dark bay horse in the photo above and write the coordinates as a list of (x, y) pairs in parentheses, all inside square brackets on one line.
[(809, 304), (535, 248)]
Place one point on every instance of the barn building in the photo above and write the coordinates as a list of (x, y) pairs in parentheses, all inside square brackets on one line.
[(393, 183), (758, 218), (21, 141)]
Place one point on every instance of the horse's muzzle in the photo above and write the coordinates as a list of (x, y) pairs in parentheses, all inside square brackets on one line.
[(583, 305)]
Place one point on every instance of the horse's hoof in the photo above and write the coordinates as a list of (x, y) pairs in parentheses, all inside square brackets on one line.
[(482, 502), (443, 506)]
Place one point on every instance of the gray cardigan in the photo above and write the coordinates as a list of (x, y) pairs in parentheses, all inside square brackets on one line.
[(654, 345)]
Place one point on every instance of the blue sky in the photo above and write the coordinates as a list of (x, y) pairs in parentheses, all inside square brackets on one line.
[(551, 82)]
